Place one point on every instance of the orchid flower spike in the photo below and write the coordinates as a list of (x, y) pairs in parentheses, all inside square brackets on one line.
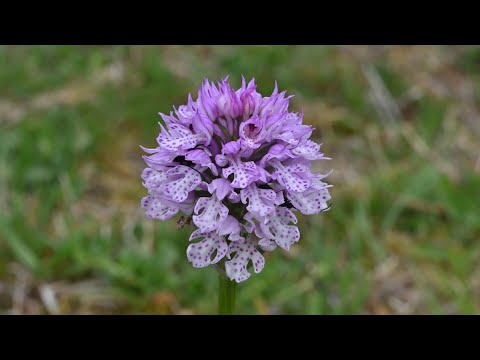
[(239, 164)]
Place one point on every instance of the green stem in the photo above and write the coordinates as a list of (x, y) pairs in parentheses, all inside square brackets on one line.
[(226, 295)]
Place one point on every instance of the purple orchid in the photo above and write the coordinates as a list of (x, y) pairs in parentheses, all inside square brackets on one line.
[(239, 164)]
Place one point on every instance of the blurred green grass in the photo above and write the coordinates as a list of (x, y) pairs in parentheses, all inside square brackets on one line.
[(402, 234)]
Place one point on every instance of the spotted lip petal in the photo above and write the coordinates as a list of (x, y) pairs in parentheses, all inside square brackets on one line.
[(238, 163), (153, 179), (181, 180), (293, 177), (179, 138), (276, 227), (157, 207), (260, 201), (246, 251), (244, 172), (294, 134), (310, 151), (200, 253), (210, 212), (310, 201)]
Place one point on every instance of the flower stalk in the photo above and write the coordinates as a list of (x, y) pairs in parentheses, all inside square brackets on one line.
[(226, 295)]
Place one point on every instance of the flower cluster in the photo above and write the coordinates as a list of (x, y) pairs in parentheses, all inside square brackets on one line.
[(239, 164)]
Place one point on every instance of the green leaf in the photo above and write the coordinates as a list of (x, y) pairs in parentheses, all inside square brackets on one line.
[(19, 249)]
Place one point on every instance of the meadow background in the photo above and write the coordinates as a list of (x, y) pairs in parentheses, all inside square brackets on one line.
[(400, 122)]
